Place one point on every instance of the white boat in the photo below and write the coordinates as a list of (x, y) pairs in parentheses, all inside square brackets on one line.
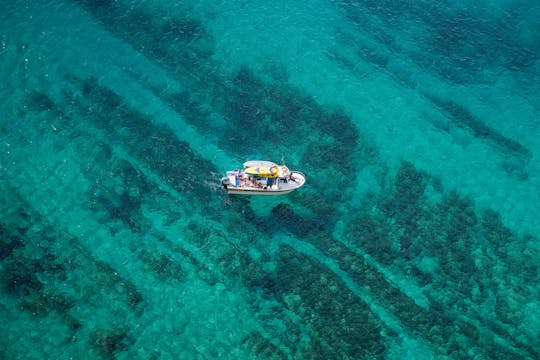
[(262, 178)]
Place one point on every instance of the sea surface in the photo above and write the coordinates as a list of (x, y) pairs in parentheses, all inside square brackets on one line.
[(416, 236)]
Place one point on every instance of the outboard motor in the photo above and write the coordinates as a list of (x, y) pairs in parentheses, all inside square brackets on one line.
[(225, 182)]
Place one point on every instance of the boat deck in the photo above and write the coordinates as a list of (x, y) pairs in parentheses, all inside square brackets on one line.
[(251, 186)]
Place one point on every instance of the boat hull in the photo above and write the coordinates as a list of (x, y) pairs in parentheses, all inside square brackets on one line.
[(258, 192)]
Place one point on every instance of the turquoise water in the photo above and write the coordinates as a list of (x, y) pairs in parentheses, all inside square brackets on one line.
[(415, 237)]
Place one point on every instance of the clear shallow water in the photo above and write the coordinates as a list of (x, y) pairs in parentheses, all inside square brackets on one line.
[(416, 236)]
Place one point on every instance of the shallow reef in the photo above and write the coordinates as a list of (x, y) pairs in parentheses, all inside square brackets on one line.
[(44, 280), (448, 247), (116, 241), (457, 44)]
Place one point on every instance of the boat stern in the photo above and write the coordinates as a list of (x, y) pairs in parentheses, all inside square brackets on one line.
[(225, 182)]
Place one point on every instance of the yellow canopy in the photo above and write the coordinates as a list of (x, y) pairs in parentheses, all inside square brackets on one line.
[(263, 171)]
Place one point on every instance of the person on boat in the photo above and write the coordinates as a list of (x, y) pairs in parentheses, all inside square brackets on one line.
[(243, 177)]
